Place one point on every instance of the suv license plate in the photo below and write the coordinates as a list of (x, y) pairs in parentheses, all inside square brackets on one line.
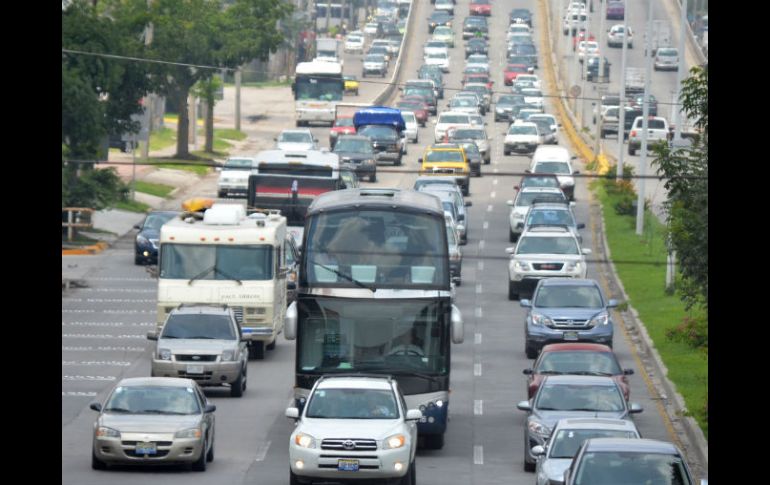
[(143, 448), (347, 465), (195, 369), (570, 335)]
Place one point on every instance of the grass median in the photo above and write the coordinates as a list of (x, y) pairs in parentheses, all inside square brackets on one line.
[(158, 190), (640, 263)]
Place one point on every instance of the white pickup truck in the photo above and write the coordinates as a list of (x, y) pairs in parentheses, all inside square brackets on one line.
[(657, 130)]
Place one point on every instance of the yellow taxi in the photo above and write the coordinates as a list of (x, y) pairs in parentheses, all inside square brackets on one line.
[(447, 159), (351, 84)]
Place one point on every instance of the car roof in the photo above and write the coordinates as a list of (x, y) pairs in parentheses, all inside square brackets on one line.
[(201, 308), (576, 346), (568, 282), (156, 381), (354, 137), (544, 190), (351, 382), (594, 423), (543, 230), (563, 380), (632, 445)]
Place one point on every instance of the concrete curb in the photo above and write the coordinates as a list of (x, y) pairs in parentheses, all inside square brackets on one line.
[(86, 250), (388, 91), (692, 430)]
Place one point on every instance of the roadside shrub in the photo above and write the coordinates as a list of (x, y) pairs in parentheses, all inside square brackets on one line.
[(693, 331)]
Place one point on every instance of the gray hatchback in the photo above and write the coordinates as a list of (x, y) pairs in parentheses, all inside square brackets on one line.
[(567, 310)]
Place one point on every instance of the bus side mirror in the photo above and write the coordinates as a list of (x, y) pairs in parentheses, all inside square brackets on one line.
[(458, 334), (290, 322)]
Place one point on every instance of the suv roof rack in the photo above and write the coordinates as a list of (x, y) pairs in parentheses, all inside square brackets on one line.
[(357, 374)]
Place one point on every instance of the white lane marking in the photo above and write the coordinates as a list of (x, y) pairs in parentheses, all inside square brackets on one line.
[(77, 394), (493, 195), (102, 335), (107, 300), (481, 265), (485, 225), (495, 170), (107, 324), (262, 451), (478, 312), (481, 245), (477, 339), (478, 455), (478, 288), (113, 363), (118, 278), (478, 407), (87, 348), (489, 208), (477, 369), (494, 182), (108, 310), (88, 378)]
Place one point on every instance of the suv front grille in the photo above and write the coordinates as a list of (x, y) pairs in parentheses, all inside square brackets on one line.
[(195, 358), (340, 444), (568, 323), (548, 266)]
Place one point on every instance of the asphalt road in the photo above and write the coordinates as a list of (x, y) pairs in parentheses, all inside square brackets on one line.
[(103, 329)]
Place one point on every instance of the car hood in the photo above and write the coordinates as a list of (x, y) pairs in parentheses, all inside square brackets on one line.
[(234, 175), (549, 257), (148, 423), (195, 346), (377, 429), (150, 233), (554, 468), (354, 156), (569, 313), (520, 138), (294, 146), (549, 418)]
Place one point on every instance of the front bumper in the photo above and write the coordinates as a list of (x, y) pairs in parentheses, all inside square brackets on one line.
[(169, 450), (212, 373), (146, 253), (318, 463), (526, 282), (307, 114), (666, 67), (258, 334), (521, 147), (540, 335)]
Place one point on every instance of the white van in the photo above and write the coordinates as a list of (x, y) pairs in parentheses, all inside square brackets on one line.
[(556, 160)]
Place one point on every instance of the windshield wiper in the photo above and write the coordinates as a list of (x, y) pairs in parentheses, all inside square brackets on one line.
[(217, 270), (346, 276), (202, 274), (202, 337), (590, 373), (551, 372), (119, 410)]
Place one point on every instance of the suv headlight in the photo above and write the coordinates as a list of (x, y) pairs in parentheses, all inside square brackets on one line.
[(304, 440), (228, 355), (105, 432), (164, 354), (601, 319), (573, 266), (395, 441), (521, 266), (540, 319), (188, 433), (539, 429)]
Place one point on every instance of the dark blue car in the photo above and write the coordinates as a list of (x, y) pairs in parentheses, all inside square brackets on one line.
[(147, 240), (567, 310)]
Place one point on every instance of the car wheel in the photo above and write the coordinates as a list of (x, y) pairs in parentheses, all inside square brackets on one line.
[(271, 346), (210, 454), (531, 352), (528, 467), (459, 281), (511, 236), (257, 350), (512, 295), (466, 191), (222, 194), (96, 463), (506, 152), (293, 478), (408, 479), (397, 163), (236, 388), (200, 464), (138, 260), (631, 151), (373, 177)]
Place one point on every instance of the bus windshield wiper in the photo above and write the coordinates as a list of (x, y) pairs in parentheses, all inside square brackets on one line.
[(408, 372), (217, 270), (346, 276), (202, 274)]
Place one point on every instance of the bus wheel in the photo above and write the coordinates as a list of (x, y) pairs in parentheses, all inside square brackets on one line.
[(271, 346), (257, 350)]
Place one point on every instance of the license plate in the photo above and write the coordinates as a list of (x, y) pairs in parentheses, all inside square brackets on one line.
[(195, 369), (143, 448), (347, 465), (548, 266), (570, 335)]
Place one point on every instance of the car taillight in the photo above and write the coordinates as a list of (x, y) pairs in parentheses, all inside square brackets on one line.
[(633, 132)]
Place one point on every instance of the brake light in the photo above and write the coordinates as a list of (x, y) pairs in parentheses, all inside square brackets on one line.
[(633, 132)]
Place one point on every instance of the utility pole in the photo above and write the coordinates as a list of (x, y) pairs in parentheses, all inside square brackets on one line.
[(645, 125), (602, 15), (149, 100), (622, 102), (328, 15), (238, 99), (680, 73), (584, 70), (192, 110)]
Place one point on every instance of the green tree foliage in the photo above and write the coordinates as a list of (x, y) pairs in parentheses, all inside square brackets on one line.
[(686, 172)]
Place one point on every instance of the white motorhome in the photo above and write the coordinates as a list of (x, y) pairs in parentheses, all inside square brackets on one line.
[(227, 258), (318, 87)]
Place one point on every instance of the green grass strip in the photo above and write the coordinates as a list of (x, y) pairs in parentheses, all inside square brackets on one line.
[(132, 206), (189, 165), (645, 285), (158, 190), (162, 138), (229, 134)]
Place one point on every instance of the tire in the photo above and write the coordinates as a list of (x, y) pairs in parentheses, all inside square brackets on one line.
[(511, 236), (138, 261), (200, 464), (459, 281), (397, 163), (506, 152), (631, 151), (529, 467), (409, 478), (96, 463), (271, 346), (257, 350), (221, 194), (293, 478), (531, 353), (434, 441), (210, 454), (373, 177), (512, 295), (236, 388), (466, 191)]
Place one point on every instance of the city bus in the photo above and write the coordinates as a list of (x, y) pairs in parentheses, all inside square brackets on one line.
[(374, 297), (318, 87), (227, 258), (289, 181)]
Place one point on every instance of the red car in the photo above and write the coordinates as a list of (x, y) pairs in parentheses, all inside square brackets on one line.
[(581, 36), (419, 109), (478, 78), (512, 71), (580, 359), (342, 126), (481, 7)]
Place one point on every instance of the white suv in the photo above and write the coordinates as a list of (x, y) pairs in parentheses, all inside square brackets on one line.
[(657, 130), (524, 199), (234, 177), (353, 428), (544, 252)]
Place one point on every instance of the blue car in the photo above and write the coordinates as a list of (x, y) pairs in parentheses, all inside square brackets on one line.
[(147, 241), (567, 310)]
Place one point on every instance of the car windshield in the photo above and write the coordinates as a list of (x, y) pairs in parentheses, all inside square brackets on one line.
[(612, 468), (379, 132), (552, 167), (469, 134), (344, 122), (457, 119), (580, 397), (437, 55), (525, 198), (477, 59), (577, 362), (352, 404), (532, 93), (155, 220), (436, 43), (216, 262), (547, 245), (508, 99), (654, 124), (237, 164), (524, 49), (442, 31), (153, 400), (463, 102), (198, 326), (294, 137), (353, 145), (539, 181), (523, 130), (567, 441), (543, 125), (435, 156), (376, 58), (471, 149), (667, 52), (550, 216)]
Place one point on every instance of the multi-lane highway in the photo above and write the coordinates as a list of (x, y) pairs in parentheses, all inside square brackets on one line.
[(104, 325)]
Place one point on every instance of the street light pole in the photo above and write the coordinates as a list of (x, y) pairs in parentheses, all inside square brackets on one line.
[(602, 14), (680, 73), (622, 101), (584, 70), (645, 125)]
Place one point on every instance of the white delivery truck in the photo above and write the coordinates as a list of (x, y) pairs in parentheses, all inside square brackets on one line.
[(327, 49)]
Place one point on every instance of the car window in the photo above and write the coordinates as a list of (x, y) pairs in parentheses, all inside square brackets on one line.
[(444, 156), (352, 404), (584, 397), (353, 145), (154, 221), (152, 400), (600, 468), (523, 130), (567, 441), (547, 245), (552, 167), (294, 137), (198, 326), (577, 361), (550, 216)]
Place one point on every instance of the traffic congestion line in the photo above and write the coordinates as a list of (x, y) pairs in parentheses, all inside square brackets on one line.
[(102, 336), (478, 455), (478, 407), (113, 363), (477, 339)]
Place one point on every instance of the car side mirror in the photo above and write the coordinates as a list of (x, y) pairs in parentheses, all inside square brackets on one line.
[(434, 121), (275, 139), (524, 406), (527, 171), (468, 203), (458, 330), (510, 250), (419, 160), (509, 202), (315, 140), (572, 204), (612, 303), (217, 169), (634, 408), (210, 408), (538, 450), (628, 372), (292, 413), (152, 335), (576, 172), (573, 157), (525, 303), (137, 226), (587, 251), (290, 322), (528, 372), (413, 415), (96, 406)]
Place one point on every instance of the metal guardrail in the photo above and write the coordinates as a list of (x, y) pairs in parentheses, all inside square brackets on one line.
[(77, 217)]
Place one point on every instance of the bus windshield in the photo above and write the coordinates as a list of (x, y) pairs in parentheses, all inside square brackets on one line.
[(367, 335), (216, 262), (318, 88), (379, 248)]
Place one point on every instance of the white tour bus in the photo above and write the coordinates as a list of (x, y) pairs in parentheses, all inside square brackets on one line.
[(317, 87)]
